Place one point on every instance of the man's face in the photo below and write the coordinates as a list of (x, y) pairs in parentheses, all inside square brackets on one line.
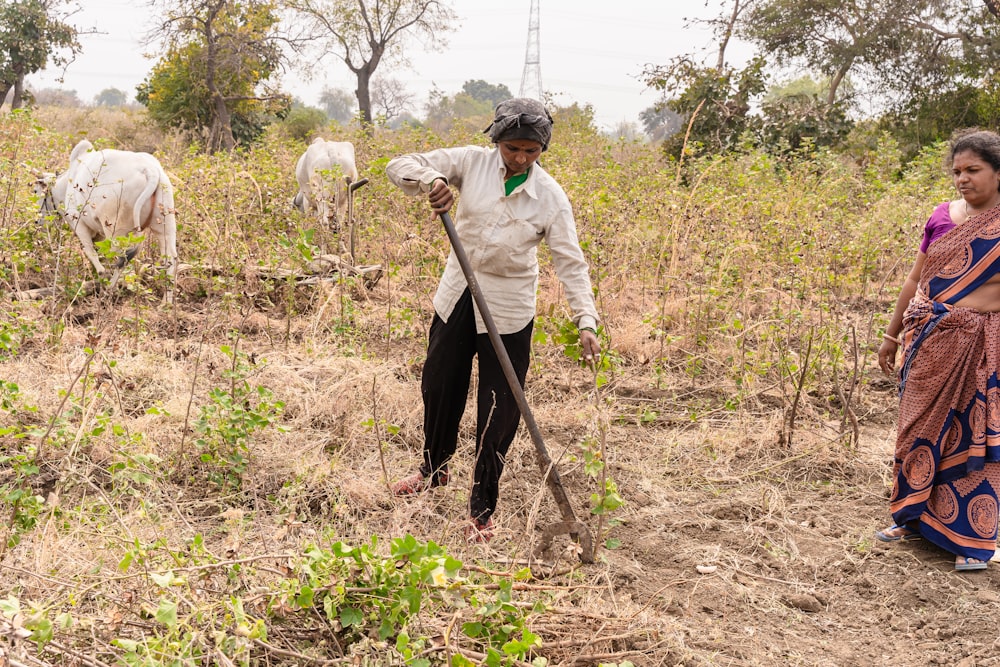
[(519, 154)]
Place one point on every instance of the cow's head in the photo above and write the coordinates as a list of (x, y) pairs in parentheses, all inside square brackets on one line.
[(44, 188)]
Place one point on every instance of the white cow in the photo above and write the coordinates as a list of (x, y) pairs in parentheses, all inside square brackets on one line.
[(110, 193), (325, 173)]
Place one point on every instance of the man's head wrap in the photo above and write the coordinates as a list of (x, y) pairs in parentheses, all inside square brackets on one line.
[(521, 118)]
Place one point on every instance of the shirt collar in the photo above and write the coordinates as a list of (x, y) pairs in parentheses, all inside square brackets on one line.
[(529, 185)]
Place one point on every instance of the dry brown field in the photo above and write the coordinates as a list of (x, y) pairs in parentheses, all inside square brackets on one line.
[(205, 483)]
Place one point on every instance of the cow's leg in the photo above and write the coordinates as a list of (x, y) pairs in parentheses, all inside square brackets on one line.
[(116, 274), (87, 242), (120, 263)]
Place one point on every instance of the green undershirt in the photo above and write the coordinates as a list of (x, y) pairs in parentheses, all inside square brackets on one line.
[(515, 181)]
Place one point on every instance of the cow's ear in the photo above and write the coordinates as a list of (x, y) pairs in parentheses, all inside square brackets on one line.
[(38, 174)]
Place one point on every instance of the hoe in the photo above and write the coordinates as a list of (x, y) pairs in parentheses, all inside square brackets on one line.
[(577, 530)]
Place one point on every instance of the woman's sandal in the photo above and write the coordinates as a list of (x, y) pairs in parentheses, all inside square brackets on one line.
[(896, 533), (964, 563)]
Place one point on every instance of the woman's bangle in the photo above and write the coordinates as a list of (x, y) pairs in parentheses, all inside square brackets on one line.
[(892, 338), (590, 329)]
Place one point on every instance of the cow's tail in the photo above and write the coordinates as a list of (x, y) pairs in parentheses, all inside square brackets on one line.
[(152, 183), (164, 222), (165, 204)]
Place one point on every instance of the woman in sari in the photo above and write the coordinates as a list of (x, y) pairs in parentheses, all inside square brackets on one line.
[(947, 319)]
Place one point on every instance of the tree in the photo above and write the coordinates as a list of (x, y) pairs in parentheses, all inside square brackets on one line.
[(338, 104), (304, 123), (895, 50), (31, 33), (713, 101), (213, 78), (443, 111), (714, 104), (934, 118), (111, 97), (55, 97), (486, 92), (390, 98), (659, 121), (363, 33), (626, 130), (795, 115)]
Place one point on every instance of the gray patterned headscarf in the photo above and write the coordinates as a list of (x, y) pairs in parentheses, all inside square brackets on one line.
[(521, 118)]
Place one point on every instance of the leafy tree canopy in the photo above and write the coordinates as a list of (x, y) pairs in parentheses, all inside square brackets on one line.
[(443, 111), (31, 33), (111, 97), (715, 103), (213, 78), (304, 122), (55, 97), (895, 50), (486, 92), (660, 121), (338, 104)]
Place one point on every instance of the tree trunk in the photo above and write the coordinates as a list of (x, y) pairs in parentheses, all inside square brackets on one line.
[(364, 95), (222, 125), (5, 89), (18, 99), (727, 34), (222, 128), (835, 82)]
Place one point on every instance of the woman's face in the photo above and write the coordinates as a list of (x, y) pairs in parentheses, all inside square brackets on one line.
[(975, 178), (519, 154)]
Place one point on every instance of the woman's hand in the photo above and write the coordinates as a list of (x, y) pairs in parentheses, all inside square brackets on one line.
[(591, 346), (887, 356), (440, 196)]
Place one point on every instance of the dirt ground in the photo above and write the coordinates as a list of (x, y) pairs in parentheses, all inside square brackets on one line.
[(735, 549)]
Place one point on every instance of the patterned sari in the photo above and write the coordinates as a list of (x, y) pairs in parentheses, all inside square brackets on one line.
[(948, 444)]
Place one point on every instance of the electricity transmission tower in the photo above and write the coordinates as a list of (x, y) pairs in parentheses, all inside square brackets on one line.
[(531, 77)]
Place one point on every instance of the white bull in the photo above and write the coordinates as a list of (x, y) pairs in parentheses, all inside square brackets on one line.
[(325, 173), (110, 193)]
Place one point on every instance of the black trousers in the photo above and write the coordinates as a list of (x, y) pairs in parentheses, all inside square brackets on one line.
[(445, 388)]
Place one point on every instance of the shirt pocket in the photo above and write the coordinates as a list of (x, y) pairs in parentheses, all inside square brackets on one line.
[(512, 250)]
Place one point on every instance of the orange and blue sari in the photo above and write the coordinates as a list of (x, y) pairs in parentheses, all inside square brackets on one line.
[(947, 458)]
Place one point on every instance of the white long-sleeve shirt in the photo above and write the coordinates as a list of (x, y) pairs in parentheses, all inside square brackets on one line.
[(501, 233)]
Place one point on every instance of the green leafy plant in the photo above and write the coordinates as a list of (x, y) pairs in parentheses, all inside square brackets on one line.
[(226, 424), (18, 455), (15, 330), (368, 594)]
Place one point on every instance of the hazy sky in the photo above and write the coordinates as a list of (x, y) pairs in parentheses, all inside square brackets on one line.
[(591, 52)]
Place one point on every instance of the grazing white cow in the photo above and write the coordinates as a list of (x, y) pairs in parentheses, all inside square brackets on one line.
[(111, 193), (325, 173)]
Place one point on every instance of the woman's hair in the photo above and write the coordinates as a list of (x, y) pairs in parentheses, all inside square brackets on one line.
[(983, 143)]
